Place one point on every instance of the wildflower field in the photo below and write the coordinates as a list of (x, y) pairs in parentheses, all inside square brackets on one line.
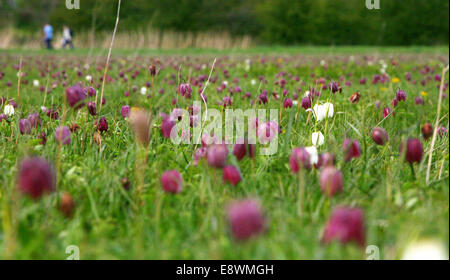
[(359, 165)]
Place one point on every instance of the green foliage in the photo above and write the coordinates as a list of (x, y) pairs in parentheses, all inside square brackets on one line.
[(320, 22)]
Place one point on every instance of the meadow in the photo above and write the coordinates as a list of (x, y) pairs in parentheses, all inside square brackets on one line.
[(99, 184)]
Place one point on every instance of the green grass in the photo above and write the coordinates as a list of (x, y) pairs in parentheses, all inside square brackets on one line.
[(111, 223)]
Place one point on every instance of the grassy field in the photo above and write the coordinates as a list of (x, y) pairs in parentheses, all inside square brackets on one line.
[(144, 222)]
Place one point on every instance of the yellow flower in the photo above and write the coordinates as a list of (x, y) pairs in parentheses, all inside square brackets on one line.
[(424, 93), (383, 89), (395, 80)]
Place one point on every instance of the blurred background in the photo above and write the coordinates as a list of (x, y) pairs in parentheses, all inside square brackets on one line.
[(223, 24)]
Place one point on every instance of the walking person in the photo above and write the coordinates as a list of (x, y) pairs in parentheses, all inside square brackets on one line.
[(67, 37), (48, 36)]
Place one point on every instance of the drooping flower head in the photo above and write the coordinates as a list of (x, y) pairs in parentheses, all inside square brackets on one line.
[(35, 177), (246, 219), (62, 135), (331, 181), (172, 182), (379, 136), (345, 225), (351, 149), (75, 96), (231, 174)]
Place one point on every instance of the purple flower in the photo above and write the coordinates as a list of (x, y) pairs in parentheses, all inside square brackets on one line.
[(331, 181), (287, 103), (419, 100), (401, 95), (345, 225), (92, 108), (25, 126), (166, 126), (231, 174), (386, 112), (414, 150), (102, 125), (300, 158), (125, 111), (306, 102), (241, 148), (35, 177), (185, 90), (442, 131), (351, 149), (246, 219), (3, 117), (75, 96), (34, 119), (172, 182), (379, 136), (62, 135), (333, 86), (217, 155)]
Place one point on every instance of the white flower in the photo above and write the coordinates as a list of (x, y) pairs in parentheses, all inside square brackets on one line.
[(226, 83), (307, 93), (44, 109), (247, 64), (313, 154), (317, 138), (323, 62), (295, 102), (143, 90), (89, 78), (323, 111), (253, 82), (425, 250), (36, 83), (8, 110)]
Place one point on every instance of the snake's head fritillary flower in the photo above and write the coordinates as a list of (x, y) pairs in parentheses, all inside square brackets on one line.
[(102, 124), (317, 138), (414, 150), (152, 70), (379, 136), (62, 135), (92, 108), (36, 177), (351, 148), (442, 131), (355, 97), (331, 181), (287, 103), (246, 219), (185, 90), (427, 130), (3, 117), (299, 158), (345, 225), (172, 182), (242, 147), (25, 126), (75, 96), (217, 155), (268, 131), (386, 112), (34, 119), (125, 111), (306, 102), (231, 174), (419, 101), (325, 159), (67, 205), (401, 95)]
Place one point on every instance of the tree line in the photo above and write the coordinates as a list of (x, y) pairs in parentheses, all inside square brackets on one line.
[(285, 22)]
